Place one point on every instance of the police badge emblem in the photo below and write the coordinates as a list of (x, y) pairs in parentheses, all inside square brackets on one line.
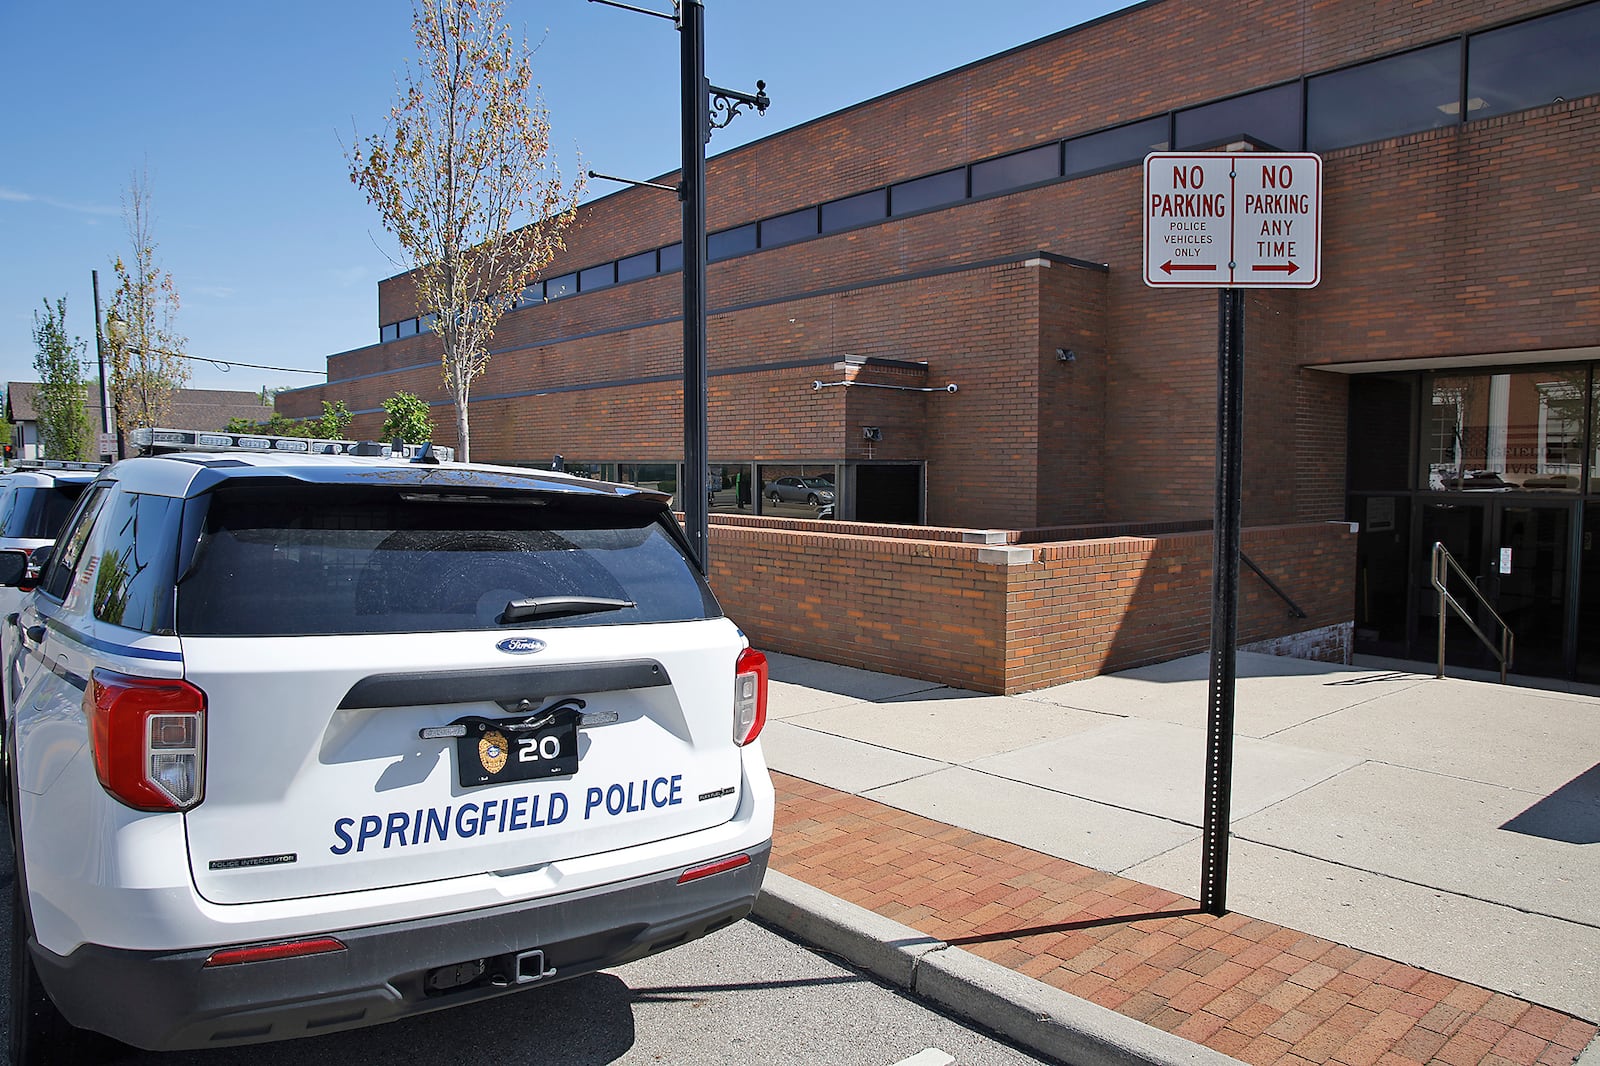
[(492, 751)]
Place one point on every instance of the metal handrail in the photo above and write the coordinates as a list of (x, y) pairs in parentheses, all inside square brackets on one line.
[(1294, 608), (1440, 576)]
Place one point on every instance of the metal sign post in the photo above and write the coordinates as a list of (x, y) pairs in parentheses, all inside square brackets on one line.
[(1226, 531), (1229, 221)]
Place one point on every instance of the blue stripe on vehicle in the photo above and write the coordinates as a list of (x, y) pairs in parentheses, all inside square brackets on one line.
[(67, 632)]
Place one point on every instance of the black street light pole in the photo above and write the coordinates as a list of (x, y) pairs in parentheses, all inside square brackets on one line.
[(699, 98), (696, 130)]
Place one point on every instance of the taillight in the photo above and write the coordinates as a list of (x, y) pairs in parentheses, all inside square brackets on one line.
[(711, 869), (749, 696), (148, 736), (293, 949)]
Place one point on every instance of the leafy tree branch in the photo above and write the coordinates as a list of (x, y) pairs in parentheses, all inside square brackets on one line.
[(462, 176)]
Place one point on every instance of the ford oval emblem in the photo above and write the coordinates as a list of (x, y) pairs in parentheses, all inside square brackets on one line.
[(520, 645)]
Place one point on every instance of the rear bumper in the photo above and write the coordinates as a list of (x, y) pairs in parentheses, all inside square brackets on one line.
[(171, 1001)]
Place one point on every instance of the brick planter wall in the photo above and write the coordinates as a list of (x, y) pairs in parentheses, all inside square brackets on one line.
[(986, 614)]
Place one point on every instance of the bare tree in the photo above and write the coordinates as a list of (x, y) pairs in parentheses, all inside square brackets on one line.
[(146, 351), (464, 160)]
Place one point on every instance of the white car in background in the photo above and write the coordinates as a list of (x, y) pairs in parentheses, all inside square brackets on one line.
[(298, 743), (36, 496)]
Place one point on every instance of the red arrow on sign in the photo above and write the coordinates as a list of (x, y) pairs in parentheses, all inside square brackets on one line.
[(1282, 268), (1169, 266)]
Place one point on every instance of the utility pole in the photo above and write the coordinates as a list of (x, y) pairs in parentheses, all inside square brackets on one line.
[(100, 353)]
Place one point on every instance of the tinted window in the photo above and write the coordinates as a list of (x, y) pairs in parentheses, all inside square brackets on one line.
[(35, 512), (663, 477), (935, 190), (795, 226), (533, 294), (597, 277), (1402, 94), (731, 242), (1271, 117), (406, 327), (672, 258), (391, 332), (1522, 430), (565, 285), (635, 267), (855, 210), (1534, 62), (1016, 171), (1381, 413), (1118, 147), (731, 487), (787, 490), (133, 579), (63, 566), (319, 560)]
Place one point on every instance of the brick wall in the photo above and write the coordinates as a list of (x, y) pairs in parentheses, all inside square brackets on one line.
[(1457, 242), (1009, 618)]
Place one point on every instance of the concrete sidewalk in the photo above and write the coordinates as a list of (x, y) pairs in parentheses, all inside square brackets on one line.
[(1414, 862)]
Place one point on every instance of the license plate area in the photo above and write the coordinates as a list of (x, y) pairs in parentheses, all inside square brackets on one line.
[(532, 747)]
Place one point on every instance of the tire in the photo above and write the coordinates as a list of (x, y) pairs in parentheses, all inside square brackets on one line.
[(38, 1034), (774, 498), (33, 1017), (812, 501)]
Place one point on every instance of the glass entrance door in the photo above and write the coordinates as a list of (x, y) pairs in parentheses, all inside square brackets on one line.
[(1518, 554), (1587, 636), (1460, 527), (1530, 574)]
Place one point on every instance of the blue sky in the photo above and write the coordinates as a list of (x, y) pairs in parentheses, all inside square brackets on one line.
[(238, 114)]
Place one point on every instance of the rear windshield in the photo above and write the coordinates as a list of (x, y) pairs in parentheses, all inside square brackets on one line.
[(338, 559), (37, 513)]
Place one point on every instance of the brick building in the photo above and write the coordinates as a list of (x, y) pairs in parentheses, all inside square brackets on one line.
[(981, 229)]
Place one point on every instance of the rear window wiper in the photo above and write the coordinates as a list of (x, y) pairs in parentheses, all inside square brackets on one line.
[(558, 607)]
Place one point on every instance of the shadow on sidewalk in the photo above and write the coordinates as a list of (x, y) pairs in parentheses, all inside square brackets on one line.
[(1069, 927)]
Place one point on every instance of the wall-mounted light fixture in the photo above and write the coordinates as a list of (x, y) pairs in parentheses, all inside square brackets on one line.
[(1066, 355), (818, 386), (873, 433)]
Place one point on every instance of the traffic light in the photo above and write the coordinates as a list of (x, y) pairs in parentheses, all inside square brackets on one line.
[(11, 453)]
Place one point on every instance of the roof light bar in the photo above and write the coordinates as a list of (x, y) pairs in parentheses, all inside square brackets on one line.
[(159, 441), (55, 464)]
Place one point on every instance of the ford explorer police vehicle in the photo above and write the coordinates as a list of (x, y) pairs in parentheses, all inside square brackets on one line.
[(36, 495), (301, 742)]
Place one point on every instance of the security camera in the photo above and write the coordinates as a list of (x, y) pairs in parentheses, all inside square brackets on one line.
[(950, 387)]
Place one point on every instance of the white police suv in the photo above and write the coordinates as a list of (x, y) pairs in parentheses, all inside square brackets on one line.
[(36, 495), (296, 743)]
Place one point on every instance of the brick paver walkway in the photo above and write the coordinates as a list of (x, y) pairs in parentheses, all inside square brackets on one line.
[(1259, 992)]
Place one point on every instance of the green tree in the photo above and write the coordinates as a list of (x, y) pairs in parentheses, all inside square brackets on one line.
[(406, 416), (330, 425), (463, 178), (334, 421), (145, 350), (64, 431)]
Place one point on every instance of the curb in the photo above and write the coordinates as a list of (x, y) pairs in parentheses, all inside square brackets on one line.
[(1042, 1019)]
